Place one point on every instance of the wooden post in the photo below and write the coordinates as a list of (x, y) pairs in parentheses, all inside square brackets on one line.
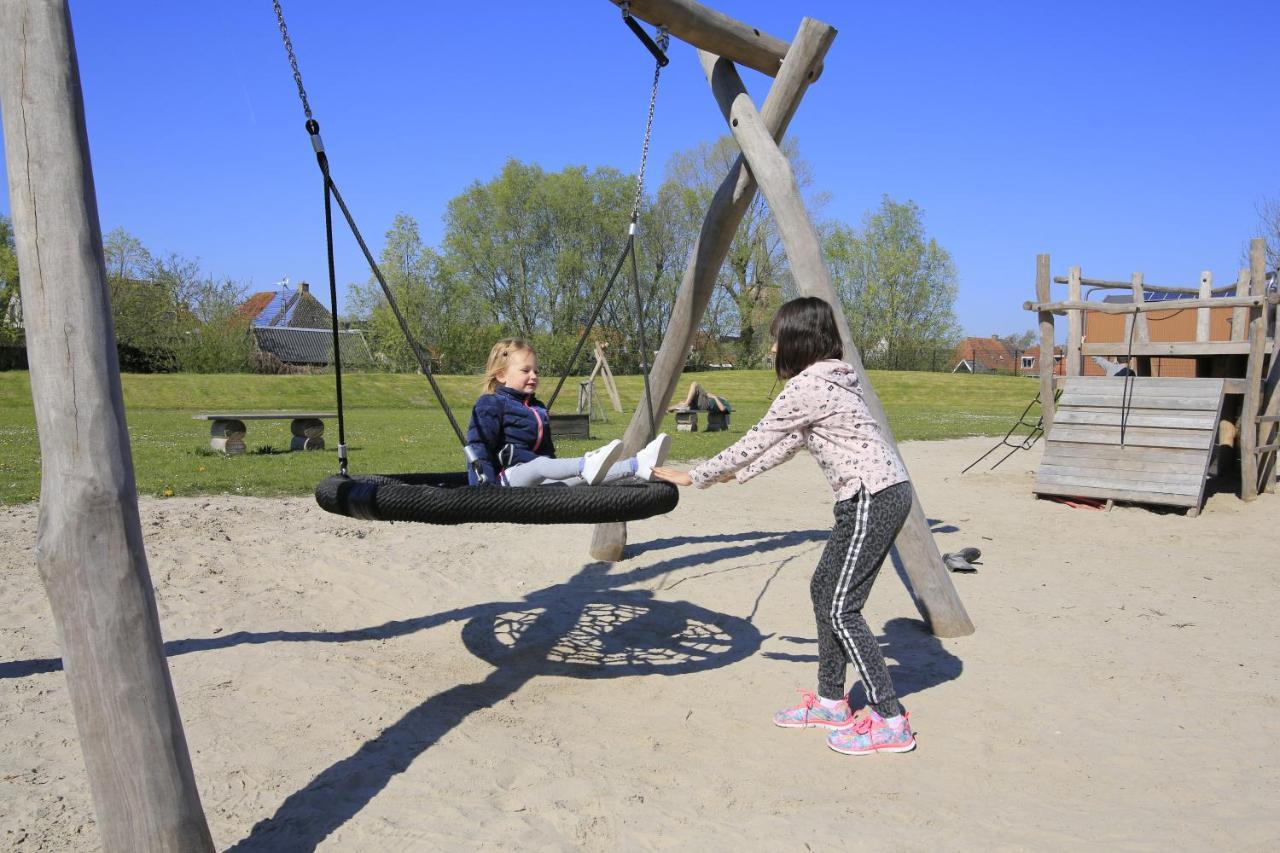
[(607, 375), (1142, 334), (1046, 342), (1252, 390), (89, 549), (1202, 314), (1240, 316), (1075, 325), (724, 215), (715, 32), (1270, 403), (931, 585), (1256, 382)]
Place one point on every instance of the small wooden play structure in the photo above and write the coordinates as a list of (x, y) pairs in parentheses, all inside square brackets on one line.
[(1202, 378), (590, 409)]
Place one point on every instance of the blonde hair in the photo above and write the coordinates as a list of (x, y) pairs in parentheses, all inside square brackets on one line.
[(499, 357)]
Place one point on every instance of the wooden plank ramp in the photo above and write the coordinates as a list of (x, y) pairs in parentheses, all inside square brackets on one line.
[(1147, 441)]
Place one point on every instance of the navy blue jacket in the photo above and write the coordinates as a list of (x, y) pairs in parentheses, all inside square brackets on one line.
[(507, 428)]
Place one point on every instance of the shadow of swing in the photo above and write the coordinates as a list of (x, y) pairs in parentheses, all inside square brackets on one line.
[(586, 627), (583, 628)]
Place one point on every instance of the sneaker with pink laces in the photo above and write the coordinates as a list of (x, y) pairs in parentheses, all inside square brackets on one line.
[(873, 733), (811, 713)]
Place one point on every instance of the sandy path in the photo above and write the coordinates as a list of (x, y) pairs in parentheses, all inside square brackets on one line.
[(355, 686)]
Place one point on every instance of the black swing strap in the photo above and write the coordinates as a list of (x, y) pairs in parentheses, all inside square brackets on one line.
[(629, 250), (331, 193)]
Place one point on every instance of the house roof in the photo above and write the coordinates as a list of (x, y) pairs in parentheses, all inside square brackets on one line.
[(284, 308), (311, 346), (985, 353)]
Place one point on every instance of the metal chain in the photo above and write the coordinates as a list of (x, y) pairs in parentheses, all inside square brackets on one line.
[(663, 41), (293, 60)]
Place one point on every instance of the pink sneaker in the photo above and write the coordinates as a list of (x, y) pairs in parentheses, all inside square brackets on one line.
[(811, 713), (873, 733)]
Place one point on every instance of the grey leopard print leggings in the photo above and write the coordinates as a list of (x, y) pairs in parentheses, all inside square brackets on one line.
[(866, 525)]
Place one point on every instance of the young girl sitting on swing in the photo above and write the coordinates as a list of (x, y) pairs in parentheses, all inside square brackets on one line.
[(509, 438)]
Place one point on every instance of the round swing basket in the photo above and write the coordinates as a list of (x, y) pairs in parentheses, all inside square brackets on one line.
[(447, 499)]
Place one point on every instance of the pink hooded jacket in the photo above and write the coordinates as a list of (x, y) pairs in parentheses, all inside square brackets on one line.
[(820, 408)]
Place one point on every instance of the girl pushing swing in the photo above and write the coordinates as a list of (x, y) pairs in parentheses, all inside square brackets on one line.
[(821, 408)]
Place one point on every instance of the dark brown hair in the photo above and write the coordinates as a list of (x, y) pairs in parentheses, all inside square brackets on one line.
[(806, 332)]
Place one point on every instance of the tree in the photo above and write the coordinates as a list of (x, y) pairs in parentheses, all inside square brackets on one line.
[(168, 316), (897, 284), (1019, 342), (144, 311), (751, 283), (214, 335), (10, 297), (536, 250), (1269, 220), (441, 315)]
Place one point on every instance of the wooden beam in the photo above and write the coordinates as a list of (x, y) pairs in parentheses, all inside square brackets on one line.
[(1103, 284), (716, 32), (1046, 342), (1186, 349), (724, 215), (89, 549), (1249, 301), (934, 593), (1075, 325)]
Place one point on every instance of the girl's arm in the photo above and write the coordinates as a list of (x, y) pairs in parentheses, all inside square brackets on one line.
[(774, 440), (484, 434)]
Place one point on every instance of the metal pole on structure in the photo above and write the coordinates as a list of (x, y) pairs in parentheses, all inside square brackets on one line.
[(89, 549)]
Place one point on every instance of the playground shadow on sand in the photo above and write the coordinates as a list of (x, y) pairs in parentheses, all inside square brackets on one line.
[(584, 628)]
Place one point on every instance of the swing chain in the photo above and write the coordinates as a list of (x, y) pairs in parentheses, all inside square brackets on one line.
[(293, 60), (663, 41)]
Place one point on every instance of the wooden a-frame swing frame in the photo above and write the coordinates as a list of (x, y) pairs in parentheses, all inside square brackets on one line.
[(89, 544)]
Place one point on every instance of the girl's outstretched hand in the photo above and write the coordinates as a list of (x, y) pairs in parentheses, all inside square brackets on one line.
[(671, 475)]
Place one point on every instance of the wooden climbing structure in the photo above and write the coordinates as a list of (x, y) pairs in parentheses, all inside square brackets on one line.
[(1204, 377)]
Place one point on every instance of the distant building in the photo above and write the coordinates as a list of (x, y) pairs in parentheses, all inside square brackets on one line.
[(292, 326), (1029, 362), (982, 355)]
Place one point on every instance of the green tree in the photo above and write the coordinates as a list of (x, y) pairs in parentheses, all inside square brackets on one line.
[(537, 249), (755, 276), (214, 335), (442, 315), (10, 298), (897, 284)]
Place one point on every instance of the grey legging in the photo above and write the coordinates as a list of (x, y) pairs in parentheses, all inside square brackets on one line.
[(866, 526), (538, 471)]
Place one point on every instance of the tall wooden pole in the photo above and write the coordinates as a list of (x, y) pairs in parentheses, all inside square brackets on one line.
[(724, 215), (1254, 377), (1047, 362), (931, 587), (89, 548)]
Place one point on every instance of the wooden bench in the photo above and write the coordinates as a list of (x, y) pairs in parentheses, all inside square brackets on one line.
[(228, 430), (687, 420)]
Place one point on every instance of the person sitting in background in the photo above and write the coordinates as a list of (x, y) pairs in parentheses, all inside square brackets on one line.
[(699, 400)]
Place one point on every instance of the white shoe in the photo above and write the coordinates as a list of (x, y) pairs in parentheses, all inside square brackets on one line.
[(652, 456), (596, 464)]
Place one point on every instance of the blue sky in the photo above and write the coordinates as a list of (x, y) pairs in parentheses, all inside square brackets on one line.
[(1118, 136)]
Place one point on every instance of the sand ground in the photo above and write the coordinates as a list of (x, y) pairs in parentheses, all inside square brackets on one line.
[(348, 685)]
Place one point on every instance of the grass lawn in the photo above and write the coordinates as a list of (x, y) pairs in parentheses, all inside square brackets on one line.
[(394, 424)]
